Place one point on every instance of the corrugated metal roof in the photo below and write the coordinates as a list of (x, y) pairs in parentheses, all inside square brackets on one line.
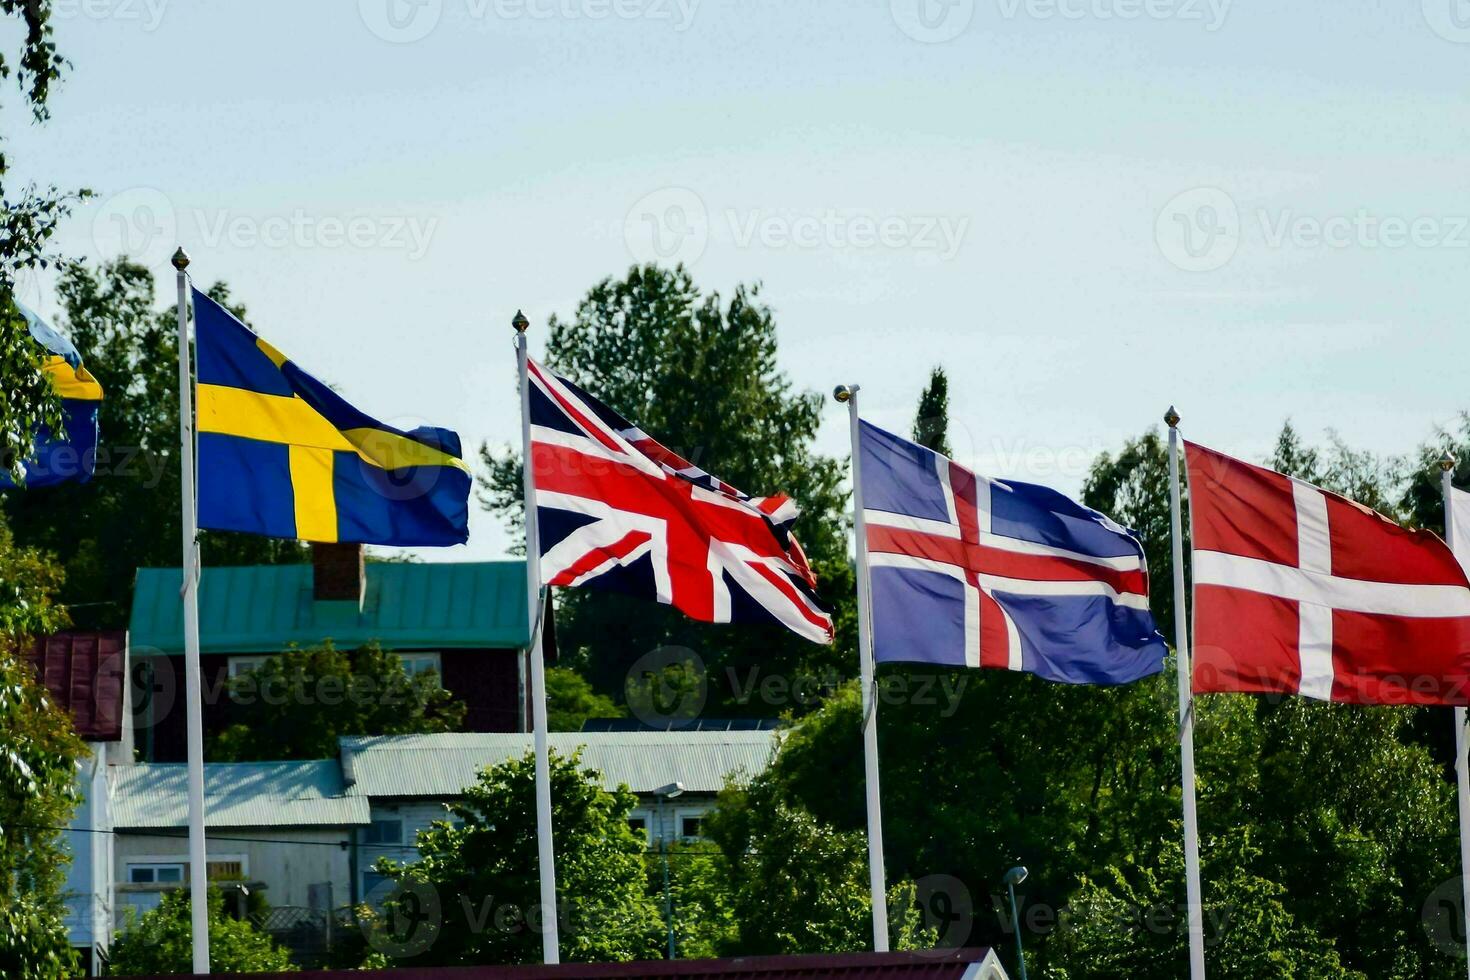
[(85, 672), (264, 608), (442, 765), (304, 793)]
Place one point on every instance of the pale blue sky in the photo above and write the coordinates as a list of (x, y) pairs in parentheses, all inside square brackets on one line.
[(1001, 186)]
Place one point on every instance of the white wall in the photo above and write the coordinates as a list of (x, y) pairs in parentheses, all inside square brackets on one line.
[(287, 860)]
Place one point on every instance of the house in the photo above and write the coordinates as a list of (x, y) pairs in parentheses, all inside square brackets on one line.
[(409, 779), (86, 674), (466, 621), (283, 828), (307, 833)]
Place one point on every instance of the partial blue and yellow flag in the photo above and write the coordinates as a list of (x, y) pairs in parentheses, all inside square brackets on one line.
[(72, 454), (281, 454)]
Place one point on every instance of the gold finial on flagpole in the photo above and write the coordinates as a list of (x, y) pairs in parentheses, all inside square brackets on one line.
[(181, 259), (843, 393), (1171, 417), (1447, 462), (519, 322)]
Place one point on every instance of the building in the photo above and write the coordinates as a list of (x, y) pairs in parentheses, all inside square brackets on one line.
[(86, 673), (306, 834), (466, 621)]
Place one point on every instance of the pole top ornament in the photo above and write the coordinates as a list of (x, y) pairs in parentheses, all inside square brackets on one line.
[(519, 322), (181, 259), (1171, 417), (844, 393), (1447, 461)]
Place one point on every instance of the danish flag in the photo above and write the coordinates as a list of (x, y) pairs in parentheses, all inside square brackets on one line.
[(1301, 591), (616, 510)]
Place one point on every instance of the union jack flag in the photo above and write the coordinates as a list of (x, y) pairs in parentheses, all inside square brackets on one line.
[(616, 510)]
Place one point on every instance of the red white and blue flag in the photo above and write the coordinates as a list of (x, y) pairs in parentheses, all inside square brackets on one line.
[(618, 511), (968, 571)]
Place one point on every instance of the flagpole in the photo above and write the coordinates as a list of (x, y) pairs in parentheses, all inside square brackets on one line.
[(1462, 760), (876, 877), (1186, 713), (550, 946), (189, 593)]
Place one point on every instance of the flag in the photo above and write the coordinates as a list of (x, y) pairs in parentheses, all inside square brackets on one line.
[(1459, 504), (281, 454), (1301, 591), (616, 510), (72, 455), (968, 571)]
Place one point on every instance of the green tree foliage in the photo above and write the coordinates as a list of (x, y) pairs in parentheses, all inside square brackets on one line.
[(128, 515), (699, 374), (161, 942), (705, 920), (1325, 828), (931, 424), (39, 754), (797, 883), (570, 700), (29, 219), (473, 896), (298, 703)]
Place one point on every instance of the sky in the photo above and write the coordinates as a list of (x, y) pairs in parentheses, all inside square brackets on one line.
[(1085, 210)]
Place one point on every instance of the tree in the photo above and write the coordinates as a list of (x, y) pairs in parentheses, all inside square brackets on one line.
[(706, 922), (298, 703), (931, 425), (161, 942), (128, 515), (798, 884), (29, 220), (39, 755), (473, 895), (700, 375), (570, 701)]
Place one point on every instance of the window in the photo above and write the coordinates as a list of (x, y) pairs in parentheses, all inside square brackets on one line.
[(239, 665), (639, 825), (691, 826), (149, 874), (386, 831), (417, 664)]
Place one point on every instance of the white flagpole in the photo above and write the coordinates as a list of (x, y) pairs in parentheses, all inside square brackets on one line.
[(1186, 713), (189, 593), (876, 877), (550, 945), (1462, 761)]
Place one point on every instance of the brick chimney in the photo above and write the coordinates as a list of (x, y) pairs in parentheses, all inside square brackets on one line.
[(339, 574)]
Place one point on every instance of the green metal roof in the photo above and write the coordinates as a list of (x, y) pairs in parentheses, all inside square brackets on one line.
[(264, 608)]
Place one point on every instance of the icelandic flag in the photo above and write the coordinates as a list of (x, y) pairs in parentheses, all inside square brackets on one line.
[(973, 572)]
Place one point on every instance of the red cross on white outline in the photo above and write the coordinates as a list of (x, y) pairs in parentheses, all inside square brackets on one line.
[(966, 548)]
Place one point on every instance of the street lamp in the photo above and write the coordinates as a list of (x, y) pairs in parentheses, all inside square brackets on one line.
[(664, 794), (1013, 878)]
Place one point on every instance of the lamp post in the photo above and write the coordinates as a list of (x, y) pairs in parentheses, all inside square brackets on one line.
[(1013, 878), (664, 794)]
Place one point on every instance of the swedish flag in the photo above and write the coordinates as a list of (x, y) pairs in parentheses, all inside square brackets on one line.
[(71, 455), (281, 454)]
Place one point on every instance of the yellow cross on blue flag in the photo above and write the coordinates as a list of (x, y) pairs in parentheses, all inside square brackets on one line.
[(281, 454)]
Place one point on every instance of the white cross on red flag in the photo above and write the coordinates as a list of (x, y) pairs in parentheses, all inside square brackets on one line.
[(1301, 591)]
